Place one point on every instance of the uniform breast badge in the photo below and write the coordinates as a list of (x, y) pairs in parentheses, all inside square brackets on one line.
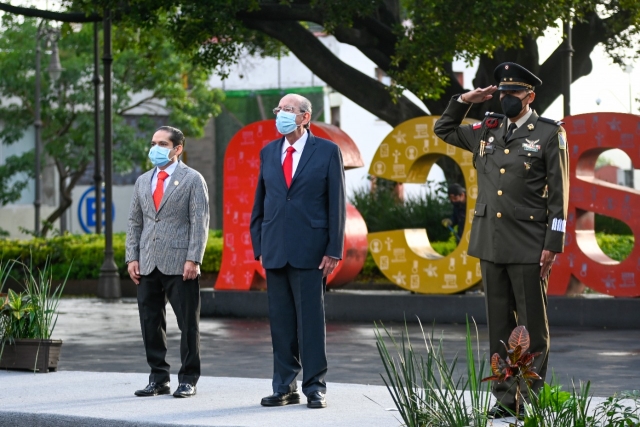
[(483, 144)]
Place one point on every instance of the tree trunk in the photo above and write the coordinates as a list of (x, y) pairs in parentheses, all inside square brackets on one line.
[(65, 196)]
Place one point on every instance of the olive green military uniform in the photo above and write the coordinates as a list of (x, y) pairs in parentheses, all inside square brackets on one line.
[(521, 210)]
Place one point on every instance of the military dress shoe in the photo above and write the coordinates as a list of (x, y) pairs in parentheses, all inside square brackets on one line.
[(185, 390), (499, 411), (154, 389), (316, 400), (281, 399)]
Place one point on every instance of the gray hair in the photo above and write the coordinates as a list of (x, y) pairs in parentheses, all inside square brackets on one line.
[(305, 107)]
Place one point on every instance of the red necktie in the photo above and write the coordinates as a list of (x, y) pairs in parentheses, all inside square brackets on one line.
[(159, 191), (287, 165)]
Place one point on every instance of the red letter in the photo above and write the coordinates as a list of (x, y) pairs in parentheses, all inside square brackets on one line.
[(239, 270), (589, 135)]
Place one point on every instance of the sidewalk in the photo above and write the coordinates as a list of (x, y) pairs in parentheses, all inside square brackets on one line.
[(106, 400), (95, 399)]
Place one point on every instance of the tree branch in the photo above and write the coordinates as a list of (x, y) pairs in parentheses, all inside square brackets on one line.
[(65, 196), (355, 85), (586, 36), (53, 16), (366, 42), (137, 104)]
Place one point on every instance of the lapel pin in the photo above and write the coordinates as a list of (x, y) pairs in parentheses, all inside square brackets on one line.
[(175, 183), (490, 139), (530, 126)]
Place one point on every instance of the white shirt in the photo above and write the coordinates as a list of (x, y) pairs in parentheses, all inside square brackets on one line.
[(299, 146), (154, 180)]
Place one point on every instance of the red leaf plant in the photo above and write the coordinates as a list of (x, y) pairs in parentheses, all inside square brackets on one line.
[(517, 365)]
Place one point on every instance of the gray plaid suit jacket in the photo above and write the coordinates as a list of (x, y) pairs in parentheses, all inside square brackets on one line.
[(177, 232)]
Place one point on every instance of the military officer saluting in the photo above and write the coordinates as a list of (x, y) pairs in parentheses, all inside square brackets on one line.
[(521, 210)]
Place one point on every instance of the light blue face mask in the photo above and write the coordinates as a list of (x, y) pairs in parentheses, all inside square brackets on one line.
[(159, 156), (286, 122)]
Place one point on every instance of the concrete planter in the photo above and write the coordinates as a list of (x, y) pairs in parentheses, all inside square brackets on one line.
[(31, 354)]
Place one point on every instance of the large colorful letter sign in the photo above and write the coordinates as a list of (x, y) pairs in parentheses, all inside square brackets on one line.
[(590, 135), (405, 256), (239, 270)]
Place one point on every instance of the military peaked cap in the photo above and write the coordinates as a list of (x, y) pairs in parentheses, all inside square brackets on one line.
[(511, 76)]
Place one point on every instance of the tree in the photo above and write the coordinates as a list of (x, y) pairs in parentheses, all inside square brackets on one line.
[(146, 64), (413, 41)]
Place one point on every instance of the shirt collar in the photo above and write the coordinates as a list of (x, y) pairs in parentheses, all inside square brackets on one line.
[(298, 145), (170, 169), (522, 120)]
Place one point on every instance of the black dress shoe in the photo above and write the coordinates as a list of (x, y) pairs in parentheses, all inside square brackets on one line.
[(154, 389), (185, 390), (281, 399), (316, 400), (499, 411)]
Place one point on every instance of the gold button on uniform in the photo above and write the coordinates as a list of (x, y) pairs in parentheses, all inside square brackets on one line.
[(529, 154), (499, 215), (506, 151), (499, 192), (531, 217), (502, 170)]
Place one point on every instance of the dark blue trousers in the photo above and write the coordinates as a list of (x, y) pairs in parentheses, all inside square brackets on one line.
[(298, 333)]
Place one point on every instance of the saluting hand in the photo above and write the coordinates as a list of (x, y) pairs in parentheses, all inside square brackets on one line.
[(479, 95), (191, 271), (546, 261), (327, 265)]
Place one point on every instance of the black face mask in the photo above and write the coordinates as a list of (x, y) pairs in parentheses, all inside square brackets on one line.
[(512, 105)]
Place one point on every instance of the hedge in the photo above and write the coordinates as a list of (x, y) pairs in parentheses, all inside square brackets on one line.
[(87, 253)]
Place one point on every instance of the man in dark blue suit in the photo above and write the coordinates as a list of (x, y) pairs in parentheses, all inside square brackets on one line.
[(297, 231)]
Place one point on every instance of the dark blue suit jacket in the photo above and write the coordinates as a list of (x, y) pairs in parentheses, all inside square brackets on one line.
[(300, 224)]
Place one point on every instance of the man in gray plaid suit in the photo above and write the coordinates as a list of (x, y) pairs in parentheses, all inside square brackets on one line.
[(168, 230)]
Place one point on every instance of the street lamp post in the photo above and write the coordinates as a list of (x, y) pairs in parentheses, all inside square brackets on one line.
[(629, 69), (55, 69), (108, 281), (97, 168)]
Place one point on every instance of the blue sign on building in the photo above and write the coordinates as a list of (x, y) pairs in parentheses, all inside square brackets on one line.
[(87, 210)]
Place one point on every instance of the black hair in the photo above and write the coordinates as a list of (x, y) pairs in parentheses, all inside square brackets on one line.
[(456, 190), (176, 136)]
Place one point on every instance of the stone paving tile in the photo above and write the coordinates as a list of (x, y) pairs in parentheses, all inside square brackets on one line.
[(101, 336)]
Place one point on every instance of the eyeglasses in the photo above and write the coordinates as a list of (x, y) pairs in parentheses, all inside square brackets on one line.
[(286, 110)]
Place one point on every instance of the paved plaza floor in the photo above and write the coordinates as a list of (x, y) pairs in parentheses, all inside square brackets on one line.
[(105, 337), (103, 363)]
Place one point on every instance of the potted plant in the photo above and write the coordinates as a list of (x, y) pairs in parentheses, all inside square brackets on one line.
[(28, 318)]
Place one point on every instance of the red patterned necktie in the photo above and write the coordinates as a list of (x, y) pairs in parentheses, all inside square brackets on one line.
[(159, 191), (287, 165)]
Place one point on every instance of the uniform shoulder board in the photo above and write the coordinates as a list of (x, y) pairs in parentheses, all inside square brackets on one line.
[(551, 121), (495, 115)]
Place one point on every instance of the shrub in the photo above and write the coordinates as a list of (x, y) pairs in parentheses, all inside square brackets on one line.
[(87, 253), (617, 247), (383, 211)]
